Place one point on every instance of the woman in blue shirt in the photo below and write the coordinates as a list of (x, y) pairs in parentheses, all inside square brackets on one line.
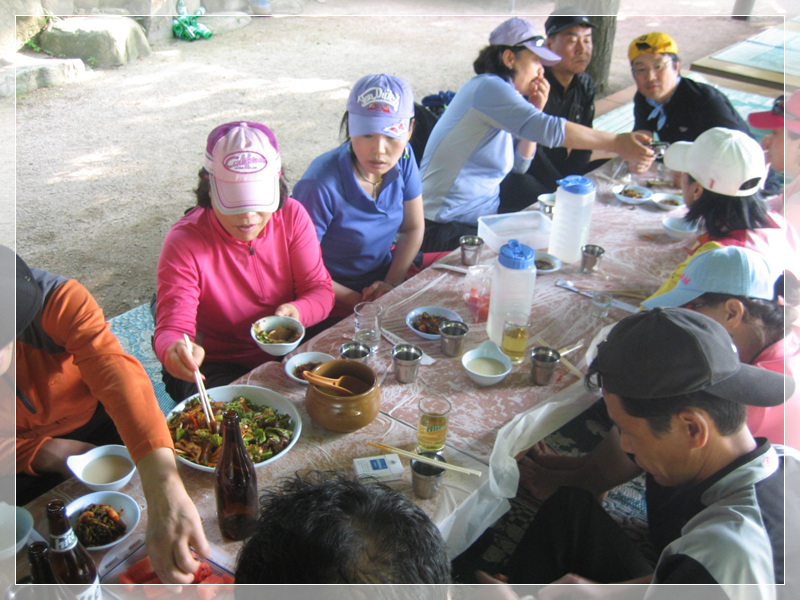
[(366, 195)]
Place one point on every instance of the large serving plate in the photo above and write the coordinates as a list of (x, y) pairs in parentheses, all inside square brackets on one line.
[(258, 395)]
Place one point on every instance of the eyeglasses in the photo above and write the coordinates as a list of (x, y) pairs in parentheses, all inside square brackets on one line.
[(777, 106), (537, 41), (695, 304), (656, 68)]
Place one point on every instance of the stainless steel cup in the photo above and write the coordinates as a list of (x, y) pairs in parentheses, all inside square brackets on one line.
[(426, 479), (355, 351), (406, 359), (591, 256), (544, 361), (471, 246), (453, 334)]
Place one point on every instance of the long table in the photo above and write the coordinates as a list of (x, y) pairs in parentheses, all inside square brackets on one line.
[(487, 425)]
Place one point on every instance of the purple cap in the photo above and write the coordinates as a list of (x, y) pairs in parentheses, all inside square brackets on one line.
[(380, 104), (519, 32), (244, 167)]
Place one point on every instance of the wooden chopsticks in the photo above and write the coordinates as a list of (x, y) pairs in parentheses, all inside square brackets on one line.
[(426, 460), (201, 389)]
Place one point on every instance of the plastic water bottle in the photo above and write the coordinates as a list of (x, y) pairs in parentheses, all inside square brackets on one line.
[(512, 286), (572, 215)]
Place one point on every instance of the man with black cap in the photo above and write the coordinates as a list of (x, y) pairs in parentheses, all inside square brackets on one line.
[(70, 370), (569, 34), (674, 386)]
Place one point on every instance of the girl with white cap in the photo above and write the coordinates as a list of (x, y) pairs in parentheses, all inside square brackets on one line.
[(244, 252), (365, 197)]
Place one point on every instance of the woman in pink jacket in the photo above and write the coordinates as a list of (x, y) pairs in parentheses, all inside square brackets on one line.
[(246, 251)]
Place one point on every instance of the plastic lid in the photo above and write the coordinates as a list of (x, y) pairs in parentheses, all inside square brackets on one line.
[(575, 184), (517, 256)]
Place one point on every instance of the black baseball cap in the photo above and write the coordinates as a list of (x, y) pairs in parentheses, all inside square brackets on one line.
[(670, 352), (562, 18)]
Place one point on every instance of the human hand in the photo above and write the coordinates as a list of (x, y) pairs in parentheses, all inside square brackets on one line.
[(180, 363), (173, 524), (288, 310), (53, 454), (499, 590), (632, 147), (540, 91), (376, 290)]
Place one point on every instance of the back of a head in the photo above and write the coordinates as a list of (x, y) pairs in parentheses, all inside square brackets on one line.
[(326, 528)]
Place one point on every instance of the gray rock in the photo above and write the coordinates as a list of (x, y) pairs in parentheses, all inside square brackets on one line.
[(223, 6), (99, 41), (59, 7), (33, 73), (225, 21)]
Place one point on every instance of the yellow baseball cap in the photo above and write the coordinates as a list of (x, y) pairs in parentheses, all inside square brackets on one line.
[(654, 43)]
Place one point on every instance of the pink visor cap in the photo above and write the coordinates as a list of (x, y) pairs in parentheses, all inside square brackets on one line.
[(380, 104), (785, 114), (244, 167), (519, 32)]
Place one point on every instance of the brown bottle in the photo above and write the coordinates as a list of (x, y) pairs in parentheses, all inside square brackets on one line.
[(71, 562), (235, 483), (41, 568)]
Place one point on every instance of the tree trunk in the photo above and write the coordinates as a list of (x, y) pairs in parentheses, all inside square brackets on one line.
[(603, 13)]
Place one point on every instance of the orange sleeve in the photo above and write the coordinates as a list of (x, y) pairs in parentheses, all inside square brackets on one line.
[(100, 369)]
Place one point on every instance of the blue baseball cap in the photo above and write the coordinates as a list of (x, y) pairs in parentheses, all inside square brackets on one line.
[(380, 104), (730, 270), (519, 32)]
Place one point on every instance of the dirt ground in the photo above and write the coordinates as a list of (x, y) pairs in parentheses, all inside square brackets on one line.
[(106, 165)]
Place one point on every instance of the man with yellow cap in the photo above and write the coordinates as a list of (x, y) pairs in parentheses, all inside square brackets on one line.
[(669, 107)]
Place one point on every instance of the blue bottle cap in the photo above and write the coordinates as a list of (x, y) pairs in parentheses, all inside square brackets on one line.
[(517, 256), (575, 184)]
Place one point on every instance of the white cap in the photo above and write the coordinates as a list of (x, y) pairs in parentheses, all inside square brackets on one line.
[(725, 161)]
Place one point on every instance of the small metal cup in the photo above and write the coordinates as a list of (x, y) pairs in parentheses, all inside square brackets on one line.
[(406, 359), (453, 334), (471, 246), (591, 256), (544, 361), (355, 351), (426, 479)]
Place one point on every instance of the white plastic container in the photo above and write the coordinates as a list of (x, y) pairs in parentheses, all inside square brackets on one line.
[(529, 227), (513, 281), (572, 215)]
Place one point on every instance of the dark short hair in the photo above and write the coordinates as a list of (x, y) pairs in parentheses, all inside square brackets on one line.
[(203, 190), (490, 60), (326, 528), (728, 416), (722, 214)]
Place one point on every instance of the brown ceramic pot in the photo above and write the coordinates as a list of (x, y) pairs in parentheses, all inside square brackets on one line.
[(344, 413)]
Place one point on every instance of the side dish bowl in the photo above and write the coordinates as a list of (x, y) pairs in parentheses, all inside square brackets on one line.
[(546, 263), (125, 506), (303, 358), (435, 311), (679, 229), (268, 324), (666, 201), (481, 364), (640, 194), (78, 465)]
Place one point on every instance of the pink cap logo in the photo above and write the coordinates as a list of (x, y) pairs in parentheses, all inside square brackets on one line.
[(684, 279), (398, 128), (245, 161), (375, 95)]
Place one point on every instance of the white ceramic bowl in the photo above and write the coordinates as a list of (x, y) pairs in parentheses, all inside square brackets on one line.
[(436, 311), (78, 463), (543, 257), (546, 202), (126, 506), (678, 229), (487, 349), (303, 358), (666, 201), (268, 324), (258, 395), (642, 191), (24, 524)]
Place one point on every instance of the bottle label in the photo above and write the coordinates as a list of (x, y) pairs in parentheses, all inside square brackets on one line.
[(62, 543), (94, 592)]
